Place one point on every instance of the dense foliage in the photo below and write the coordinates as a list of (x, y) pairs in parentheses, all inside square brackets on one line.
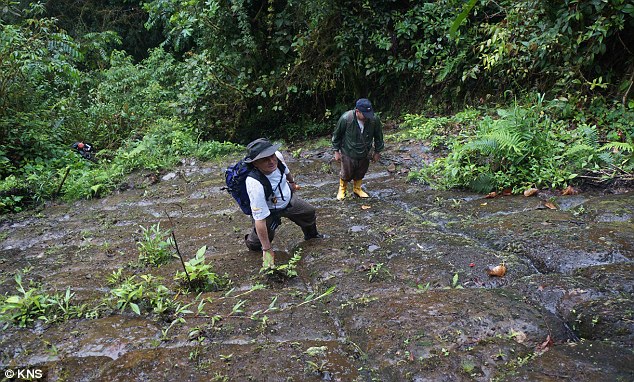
[(236, 69), (539, 145)]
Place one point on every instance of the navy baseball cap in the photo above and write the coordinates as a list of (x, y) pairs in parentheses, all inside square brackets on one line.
[(365, 107)]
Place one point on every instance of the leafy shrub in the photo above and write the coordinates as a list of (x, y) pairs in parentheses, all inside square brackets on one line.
[(34, 304), (212, 150), (155, 248), (11, 195), (441, 131), (523, 146), (162, 147), (126, 98), (145, 295), (200, 276)]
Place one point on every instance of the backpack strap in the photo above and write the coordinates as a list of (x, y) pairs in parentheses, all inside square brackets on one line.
[(257, 175)]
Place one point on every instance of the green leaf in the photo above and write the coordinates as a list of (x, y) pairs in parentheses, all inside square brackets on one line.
[(461, 17), (135, 308), (201, 251)]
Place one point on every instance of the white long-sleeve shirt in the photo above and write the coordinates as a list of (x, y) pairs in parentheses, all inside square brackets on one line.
[(260, 206)]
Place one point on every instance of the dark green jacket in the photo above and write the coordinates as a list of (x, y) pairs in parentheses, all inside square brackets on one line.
[(348, 139)]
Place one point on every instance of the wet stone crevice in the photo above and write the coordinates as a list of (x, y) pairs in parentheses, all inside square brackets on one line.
[(412, 300)]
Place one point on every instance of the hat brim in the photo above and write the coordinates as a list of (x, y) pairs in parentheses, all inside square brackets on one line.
[(368, 114), (263, 154)]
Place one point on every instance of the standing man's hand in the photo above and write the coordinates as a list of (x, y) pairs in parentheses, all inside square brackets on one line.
[(376, 157), (337, 156)]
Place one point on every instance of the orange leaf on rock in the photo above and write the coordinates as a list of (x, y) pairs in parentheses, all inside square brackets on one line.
[(531, 192), (544, 346), (497, 271), (550, 205), (507, 192), (569, 191), (491, 195)]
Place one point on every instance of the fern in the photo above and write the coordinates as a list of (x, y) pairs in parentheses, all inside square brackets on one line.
[(607, 158), (498, 140), (483, 183), (575, 150), (509, 140), (590, 135), (485, 145), (619, 146)]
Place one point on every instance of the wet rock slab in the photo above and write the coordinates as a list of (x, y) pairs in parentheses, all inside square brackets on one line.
[(412, 299)]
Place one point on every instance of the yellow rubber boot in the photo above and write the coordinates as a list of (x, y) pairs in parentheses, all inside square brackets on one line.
[(341, 194), (358, 191)]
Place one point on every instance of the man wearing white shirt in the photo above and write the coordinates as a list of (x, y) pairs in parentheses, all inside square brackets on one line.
[(266, 211)]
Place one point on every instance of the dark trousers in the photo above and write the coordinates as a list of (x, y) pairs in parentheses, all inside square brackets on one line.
[(298, 211), (353, 169)]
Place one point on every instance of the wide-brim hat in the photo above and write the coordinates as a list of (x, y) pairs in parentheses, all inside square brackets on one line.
[(365, 107), (260, 148)]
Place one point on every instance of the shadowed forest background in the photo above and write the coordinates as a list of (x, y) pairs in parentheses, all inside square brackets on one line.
[(519, 94)]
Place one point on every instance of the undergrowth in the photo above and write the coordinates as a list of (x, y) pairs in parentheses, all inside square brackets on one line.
[(539, 144), (71, 177)]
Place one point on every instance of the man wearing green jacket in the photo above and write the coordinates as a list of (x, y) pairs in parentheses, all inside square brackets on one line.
[(357, 130)]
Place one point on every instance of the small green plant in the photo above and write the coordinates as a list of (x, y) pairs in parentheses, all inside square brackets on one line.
[(580, 210), (194, 355), (51, 349), (318, 364), (199, 275), (63, 309), (423, 288), (455, 284), (115, 277), (375, 271), (23, 309), (284, 271), (219, 377), (499, 355), (148, 294), (290, 269), (165, 331), (155, 248), (467, 366), (317, 367), (32, 304)]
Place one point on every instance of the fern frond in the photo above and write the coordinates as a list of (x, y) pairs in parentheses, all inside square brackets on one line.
[(590, 135), (483, 184), (580, 148), (606, 157), (484, 145), (508, 140), (619, 146)]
